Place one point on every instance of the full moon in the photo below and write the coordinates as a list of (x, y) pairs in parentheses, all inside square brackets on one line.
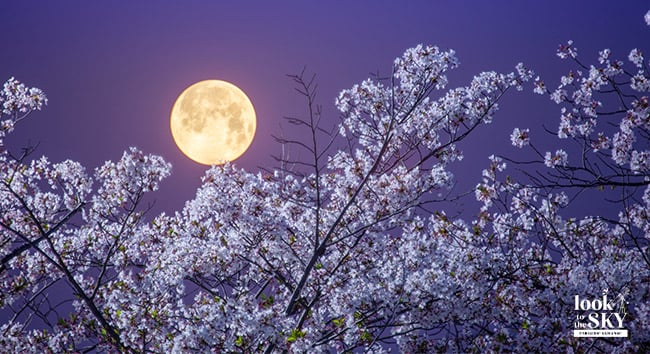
[(213, 122)]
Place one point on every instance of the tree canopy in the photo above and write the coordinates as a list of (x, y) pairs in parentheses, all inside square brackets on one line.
[(349, 248)]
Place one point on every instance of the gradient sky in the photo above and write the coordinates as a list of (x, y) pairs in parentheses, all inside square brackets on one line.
[(112, 70)]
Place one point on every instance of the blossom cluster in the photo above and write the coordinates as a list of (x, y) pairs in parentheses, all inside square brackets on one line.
[(555, 255), (520, 137), (17, 98), (581, 94)]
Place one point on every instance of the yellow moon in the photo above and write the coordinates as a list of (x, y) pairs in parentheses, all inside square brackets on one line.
[(213, 122)]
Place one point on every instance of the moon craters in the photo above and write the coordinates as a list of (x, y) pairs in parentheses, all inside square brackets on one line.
[(213, 121)]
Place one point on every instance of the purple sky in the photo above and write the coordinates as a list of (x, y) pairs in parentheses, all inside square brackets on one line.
[(112, 71)]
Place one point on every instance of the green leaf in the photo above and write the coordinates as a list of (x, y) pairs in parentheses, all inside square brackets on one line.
[(339, 322), (239, 341), (295, 335), (366, 336)]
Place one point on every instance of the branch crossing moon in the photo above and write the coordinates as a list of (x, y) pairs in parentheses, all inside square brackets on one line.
[(213, 122)]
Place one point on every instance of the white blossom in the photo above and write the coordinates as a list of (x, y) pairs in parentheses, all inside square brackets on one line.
[(520, 137), (636, 57), (560, 158)]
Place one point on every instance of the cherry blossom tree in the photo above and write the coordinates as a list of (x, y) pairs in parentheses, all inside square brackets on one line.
[(350, 247), (604, 126), (57, 232)]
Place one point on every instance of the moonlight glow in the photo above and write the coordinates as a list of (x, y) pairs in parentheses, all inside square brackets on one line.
[(213, 122)]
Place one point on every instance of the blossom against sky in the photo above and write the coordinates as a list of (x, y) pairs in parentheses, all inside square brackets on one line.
[(113, 70)]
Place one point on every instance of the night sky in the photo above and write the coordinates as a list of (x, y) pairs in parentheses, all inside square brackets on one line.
[(112, 70)]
